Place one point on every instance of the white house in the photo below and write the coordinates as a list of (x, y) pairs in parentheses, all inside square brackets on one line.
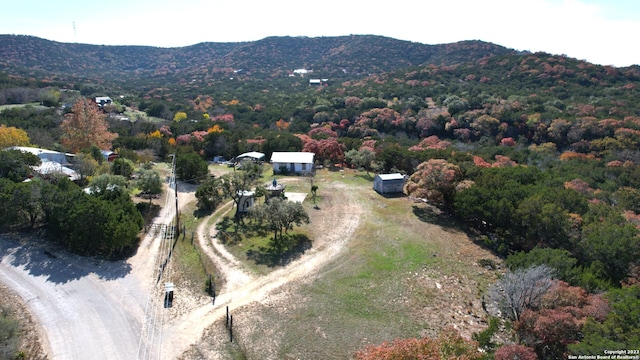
[(292, 162), (388, 183), (103, 100)]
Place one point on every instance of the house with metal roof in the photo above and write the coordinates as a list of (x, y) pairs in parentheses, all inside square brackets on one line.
[(292, 162), (252, 155)]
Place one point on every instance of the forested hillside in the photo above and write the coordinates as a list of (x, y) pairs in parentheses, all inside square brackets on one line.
[(327, 56), (536, 155)]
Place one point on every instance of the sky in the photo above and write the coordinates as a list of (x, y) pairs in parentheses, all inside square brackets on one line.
[(602, 32)]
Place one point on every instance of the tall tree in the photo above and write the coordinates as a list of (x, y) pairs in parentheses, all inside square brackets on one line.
[(210, 194), (15, 165), (85, 126), (190, 167)]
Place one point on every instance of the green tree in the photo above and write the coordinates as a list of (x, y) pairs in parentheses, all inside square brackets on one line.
[(122, 166), (613, 246), (362, 159), (103, 224), (234, 185), (542, 221), (281, 214), (107, 182), (27, 200), (149, 182), (210, 194), (190, 167), (620, 329), (85, 165), (15, 165), (9, 210), (560, 260)]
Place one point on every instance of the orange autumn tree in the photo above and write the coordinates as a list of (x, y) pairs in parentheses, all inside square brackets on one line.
[(86, 126), (448, 345)]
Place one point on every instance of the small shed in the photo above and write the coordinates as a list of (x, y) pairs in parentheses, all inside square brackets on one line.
[(388, 183), (110, 156), (247, 200)]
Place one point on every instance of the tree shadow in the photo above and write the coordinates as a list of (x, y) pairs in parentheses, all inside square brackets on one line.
[(289, 249), (434, 215), (393, 195), (365, 176), (57, 265)]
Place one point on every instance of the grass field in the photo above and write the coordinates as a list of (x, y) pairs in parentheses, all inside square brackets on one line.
[(11, 106)]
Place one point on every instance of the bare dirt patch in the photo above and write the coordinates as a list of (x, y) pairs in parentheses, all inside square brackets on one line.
[(32, 343)]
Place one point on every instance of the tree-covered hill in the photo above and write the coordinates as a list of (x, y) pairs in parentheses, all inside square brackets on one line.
[(355, 55)]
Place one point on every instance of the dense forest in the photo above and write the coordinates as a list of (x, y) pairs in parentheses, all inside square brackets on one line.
[(537, 154)]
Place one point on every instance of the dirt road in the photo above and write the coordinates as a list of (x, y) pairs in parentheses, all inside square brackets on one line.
[(242, 288), (87, 310)]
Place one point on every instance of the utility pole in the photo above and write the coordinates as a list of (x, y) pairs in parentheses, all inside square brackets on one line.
[(175, 187)]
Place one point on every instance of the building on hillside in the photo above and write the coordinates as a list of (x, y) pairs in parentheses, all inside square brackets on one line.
[(44, 154), (389, 183), (292, 162), (49, 168), (108, 155), (103, 100), (51, 162), (319, 82), (252, 155)]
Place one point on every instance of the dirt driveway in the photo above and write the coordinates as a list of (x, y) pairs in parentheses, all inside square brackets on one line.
[(243, 288)]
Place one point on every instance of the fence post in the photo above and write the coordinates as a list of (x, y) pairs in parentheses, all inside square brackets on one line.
[(231, 328), (226, 323)]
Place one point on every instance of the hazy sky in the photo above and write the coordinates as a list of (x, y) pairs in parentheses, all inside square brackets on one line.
[(600, 31)]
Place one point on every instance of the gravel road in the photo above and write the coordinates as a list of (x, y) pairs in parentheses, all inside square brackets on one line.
[(88, 309)]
